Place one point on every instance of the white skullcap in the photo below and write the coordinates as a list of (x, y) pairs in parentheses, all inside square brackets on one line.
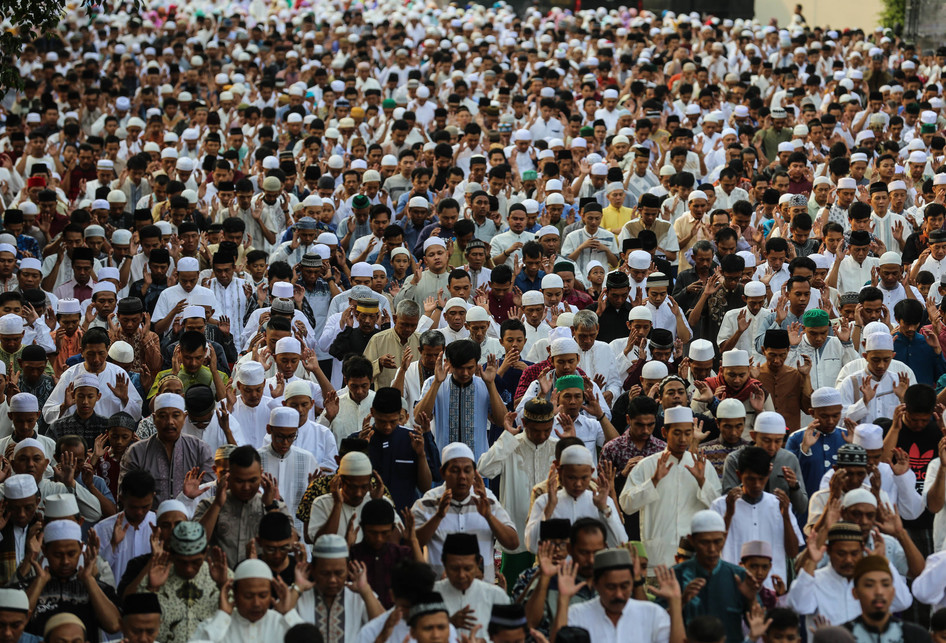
[(875, 342), (730, 409), (554, 199), (418, 202), (847, 183), (456, 450), (548, 229), (678, 415), (6, 247), (735, 358), (875, 327), (251, 374), (194, 312), (19, 486), (85, 379), (283, 289), (825, 396), (754, 289), (869, 436), (434, 241), (939, 179), (63, 530), (640, 313), (477, 314), (565, 346), (171, 505), (103, 286), (355, 463), (297, 388), (553, 185), (821, 261), (284, 417), (748, 257), (168, 401), (859, 156), (697, 195), (702, 350), (108, 272), (654, 370), (532, 298), (577, 454), (252, 567), (29, 263), (639, 260), (188, 264), (893, 186), (60, 505), (564, 321), (707, 521), (288, 345), (822, 180), (455, 302), (599, 169), (28, 443), (890, 258), (14, 600), (552, 281), (770, 422), (330, 547), (24, 403), (859, 496), (11, 324)]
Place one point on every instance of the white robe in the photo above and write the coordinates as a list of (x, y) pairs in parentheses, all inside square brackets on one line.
[(292, 474), (107, 405), (574, 508), (641, 622), (233, 628), (480, 596)]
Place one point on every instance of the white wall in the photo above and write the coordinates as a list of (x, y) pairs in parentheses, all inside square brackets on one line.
[(837, 14)]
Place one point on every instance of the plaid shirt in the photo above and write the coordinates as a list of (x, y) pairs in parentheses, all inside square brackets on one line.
[(621, 449), (716, 452), (88, 429)]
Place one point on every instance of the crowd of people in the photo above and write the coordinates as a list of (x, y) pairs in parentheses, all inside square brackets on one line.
[(387, 322)]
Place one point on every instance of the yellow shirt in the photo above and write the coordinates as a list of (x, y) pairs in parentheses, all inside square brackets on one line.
[(614, 218)]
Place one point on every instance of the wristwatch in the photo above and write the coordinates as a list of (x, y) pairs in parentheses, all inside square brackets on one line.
[(271, 506)]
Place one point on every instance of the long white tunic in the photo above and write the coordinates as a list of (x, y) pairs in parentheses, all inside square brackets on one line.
[(351, 415), (462, 516), (236, 629), (356, 614), (322, 509), (170, 296), (574, 508), (930, 586), (137, 540), (883, 404), (759, 521), (400, 633), (292, 474), (641, 621), (213, 433), (853, 276), (521, 465), (317, 440), (253, 418), (829, 594), (107, 405), (667, 509), (600, 361)]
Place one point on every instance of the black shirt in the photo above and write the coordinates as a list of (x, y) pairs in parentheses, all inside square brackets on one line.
[(613, 322), (922, 446)]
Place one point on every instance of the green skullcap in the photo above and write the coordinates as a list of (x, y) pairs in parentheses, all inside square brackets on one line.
[(389, 103), (638, 546), (815, 318), (569, 381), (530, 175)]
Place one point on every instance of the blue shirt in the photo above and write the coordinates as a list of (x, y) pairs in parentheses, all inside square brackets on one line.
[(523, 283), (918, 355), (823, 456), (393, 457)]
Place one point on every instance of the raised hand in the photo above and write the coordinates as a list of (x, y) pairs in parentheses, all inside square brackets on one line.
[(698, 470)]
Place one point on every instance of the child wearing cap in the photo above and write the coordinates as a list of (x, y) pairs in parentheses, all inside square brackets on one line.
[(734, 381), (68, 336), (737, 321), (755, 556)]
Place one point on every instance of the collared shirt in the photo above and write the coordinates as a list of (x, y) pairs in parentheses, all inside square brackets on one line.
[(291, 472), (384, 343), (150, 455), (108, 404), (667, 509), (883, 404), (790, 392), (88, 429), (394, 458), (137, 540), (70, 595), (480, 596), (761, 520), (640, 621), (521, 465), (346, 617), (351, 415), (237, 524), (577, 237), (622, 448), (462, 515), (322, 508), (379, 566), (716, 451), (828, 594), (185, 603), (919, 356)]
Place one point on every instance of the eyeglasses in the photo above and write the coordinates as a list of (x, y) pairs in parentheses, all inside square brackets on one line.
[(284, 438)]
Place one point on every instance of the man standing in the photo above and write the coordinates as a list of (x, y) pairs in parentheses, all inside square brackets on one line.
[(386, 349), (874, 589), (168, 454), (521, 457)]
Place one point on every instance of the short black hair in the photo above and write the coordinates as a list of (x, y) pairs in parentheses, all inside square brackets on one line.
[(191, 341), (137, 483), (511, 325), (95, 336), (705, 629), (244, 456), (753, 459), (462, 351)]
